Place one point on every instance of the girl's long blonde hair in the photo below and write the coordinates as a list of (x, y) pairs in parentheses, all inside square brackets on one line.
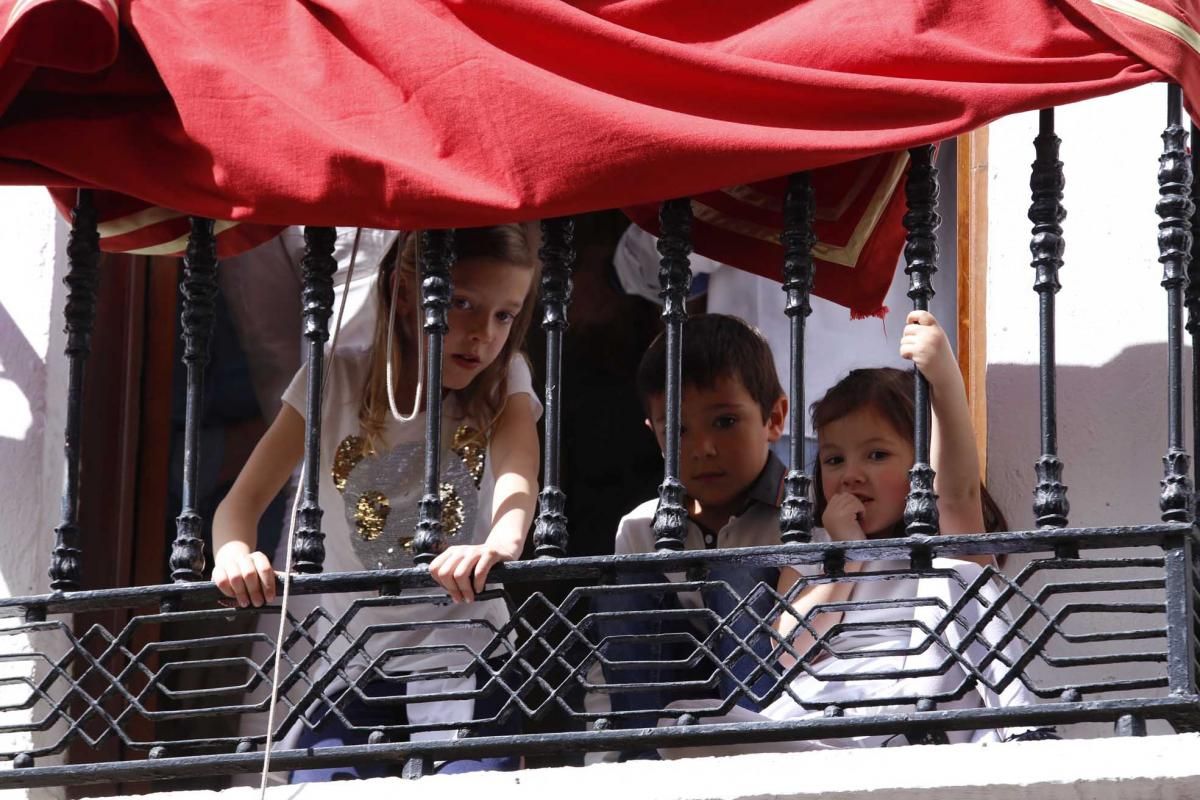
[(483, 399)]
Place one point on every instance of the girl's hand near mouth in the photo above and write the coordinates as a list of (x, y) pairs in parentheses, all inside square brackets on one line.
[(843, 517)]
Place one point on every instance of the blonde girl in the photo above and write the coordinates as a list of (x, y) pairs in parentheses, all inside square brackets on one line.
[(372, 438)]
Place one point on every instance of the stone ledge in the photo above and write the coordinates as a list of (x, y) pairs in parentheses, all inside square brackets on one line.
[(1150, 768)]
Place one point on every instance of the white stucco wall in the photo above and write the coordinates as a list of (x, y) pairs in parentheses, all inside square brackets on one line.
[(1111, 322), (32, 407), (34, 240)]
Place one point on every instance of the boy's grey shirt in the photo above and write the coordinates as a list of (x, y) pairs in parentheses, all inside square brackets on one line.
[(757, 525)]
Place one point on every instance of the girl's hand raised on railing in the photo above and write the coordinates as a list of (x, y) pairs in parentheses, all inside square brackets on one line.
[(462, 570), (926, 345), (246, 576)]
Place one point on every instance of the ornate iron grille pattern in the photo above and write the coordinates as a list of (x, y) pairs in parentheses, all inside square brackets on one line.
[(961, 649), (983, 630)]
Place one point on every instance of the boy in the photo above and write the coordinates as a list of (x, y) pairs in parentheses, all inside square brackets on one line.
[(732, 409)]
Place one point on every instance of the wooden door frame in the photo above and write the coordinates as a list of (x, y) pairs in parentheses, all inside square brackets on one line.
[(125, 447), (108, 468), (971, 232)]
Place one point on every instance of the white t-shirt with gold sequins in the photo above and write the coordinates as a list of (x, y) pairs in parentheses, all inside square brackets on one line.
[(370, 504)]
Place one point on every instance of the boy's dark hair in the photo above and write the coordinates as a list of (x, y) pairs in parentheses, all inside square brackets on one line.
[(715, 346)]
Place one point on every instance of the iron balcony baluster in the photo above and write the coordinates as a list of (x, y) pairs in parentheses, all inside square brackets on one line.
[(437, 256), (798, 239), (318, 267), (1192, 302), (675, 278), (1046, 182), (1175, 209), (83, 255), (558, 258), (920, 256), (199, 290)]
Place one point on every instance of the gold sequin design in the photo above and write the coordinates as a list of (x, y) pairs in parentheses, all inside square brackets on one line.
[(452, 509), (471, 447), (370, 515), (352, 450)]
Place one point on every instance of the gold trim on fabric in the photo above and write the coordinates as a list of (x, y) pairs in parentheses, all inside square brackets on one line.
[(1155, 18), (17, 10), (177, 245), (845, 255), (135, 221), (21, 6), (754, 197), (760, 199)]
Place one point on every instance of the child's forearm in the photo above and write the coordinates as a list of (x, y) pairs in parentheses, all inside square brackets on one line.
[(264, 474), (234, 522), (512, 513), (803, 604), (954, 455), (514, 450), (953, 451)]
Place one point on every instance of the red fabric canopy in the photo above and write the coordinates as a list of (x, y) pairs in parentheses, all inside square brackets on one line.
[(439, 113)]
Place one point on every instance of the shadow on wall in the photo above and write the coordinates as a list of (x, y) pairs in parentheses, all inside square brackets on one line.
[(21, 371), (24, 386), (22, 421), (1112, 435)]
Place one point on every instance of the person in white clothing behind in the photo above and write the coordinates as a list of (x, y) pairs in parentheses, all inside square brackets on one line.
[(262, 288)]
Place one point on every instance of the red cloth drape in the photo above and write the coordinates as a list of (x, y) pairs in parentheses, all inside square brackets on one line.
[(458, 112)]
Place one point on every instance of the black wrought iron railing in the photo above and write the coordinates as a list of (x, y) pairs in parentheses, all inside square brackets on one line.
[(964, 634), (950, 650)]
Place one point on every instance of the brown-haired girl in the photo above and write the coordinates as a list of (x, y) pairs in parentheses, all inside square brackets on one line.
[(865, 429), (865, 426)]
